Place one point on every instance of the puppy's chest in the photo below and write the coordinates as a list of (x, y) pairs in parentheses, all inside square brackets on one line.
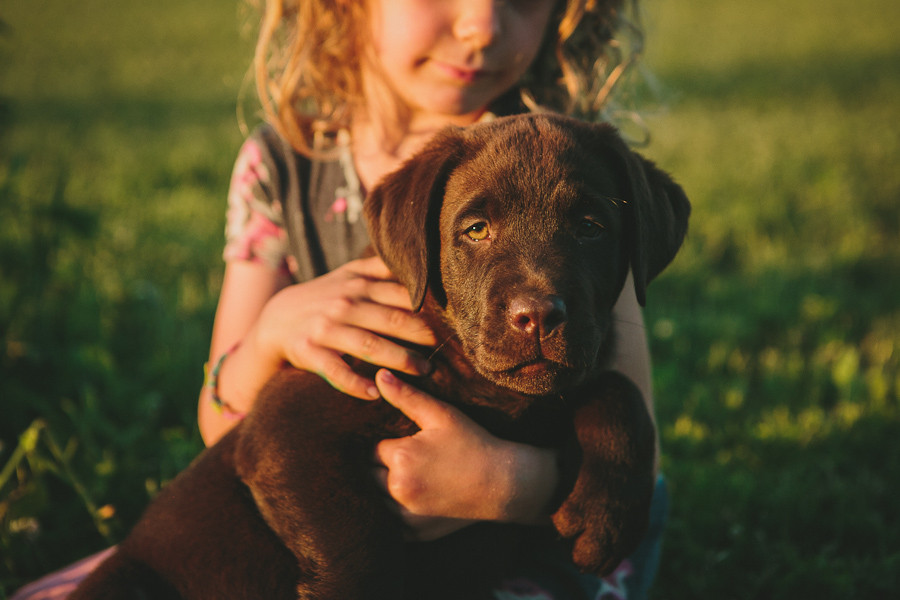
[(540, 424), (534, 420)]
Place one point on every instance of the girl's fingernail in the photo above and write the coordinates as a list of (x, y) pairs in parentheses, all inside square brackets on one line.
[(373, 393), (388, 377)]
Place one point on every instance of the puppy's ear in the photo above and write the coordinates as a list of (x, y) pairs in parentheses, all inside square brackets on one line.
[(403, 214), (657, 219)]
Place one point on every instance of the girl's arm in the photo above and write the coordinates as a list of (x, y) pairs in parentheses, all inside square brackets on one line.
[(632, 357), (246, 288), (267, 324)]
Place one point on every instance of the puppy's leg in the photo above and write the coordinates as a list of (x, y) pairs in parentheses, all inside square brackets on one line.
[(306, 456), (606, 514)]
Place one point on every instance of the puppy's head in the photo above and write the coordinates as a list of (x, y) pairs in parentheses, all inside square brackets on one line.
[(524, 230)]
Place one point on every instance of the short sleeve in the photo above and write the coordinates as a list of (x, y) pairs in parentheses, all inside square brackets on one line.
[(254, 228)]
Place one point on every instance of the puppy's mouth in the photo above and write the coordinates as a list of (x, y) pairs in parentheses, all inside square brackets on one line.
[(533, 368), (536, 376)]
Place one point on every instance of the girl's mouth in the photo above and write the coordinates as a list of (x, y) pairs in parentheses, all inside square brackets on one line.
[(461, 74)]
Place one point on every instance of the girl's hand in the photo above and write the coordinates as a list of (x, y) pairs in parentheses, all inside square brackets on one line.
[(349, 311), (453, 472)]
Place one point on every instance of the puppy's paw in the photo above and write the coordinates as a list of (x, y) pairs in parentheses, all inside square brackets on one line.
[(606, 513), (599, 540)]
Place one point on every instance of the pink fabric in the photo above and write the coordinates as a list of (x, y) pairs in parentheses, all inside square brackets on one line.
[(254, 229), (612, 587), (58, 585)]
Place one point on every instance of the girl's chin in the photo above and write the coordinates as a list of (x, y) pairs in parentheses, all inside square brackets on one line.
[(460, 106)]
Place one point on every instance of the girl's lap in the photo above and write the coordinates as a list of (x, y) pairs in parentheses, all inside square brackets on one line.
[(59, 584), (548, 576)]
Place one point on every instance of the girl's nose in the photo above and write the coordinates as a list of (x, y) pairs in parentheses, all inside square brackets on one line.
[(478, 22)]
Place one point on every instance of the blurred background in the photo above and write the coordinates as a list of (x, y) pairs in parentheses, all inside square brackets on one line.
[(775, 334)]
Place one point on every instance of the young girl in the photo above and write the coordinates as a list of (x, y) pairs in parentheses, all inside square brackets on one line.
[(351, 89)]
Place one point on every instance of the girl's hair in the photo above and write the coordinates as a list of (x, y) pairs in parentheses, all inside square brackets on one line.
[(309, 54)]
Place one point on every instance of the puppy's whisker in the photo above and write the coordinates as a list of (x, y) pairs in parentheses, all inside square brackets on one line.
[(438, 349), (477, 346), (472, 327)]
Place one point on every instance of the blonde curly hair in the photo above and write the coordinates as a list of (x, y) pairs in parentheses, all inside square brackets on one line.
[(308, 62)]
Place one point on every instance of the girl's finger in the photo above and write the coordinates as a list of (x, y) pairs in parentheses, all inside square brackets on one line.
[(328, 365), (390, 293), (372, 268), (424, 410), (380, 472), (374, 349), (388, 321)]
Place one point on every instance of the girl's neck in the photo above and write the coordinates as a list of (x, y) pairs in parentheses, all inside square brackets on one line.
[(381, 144)]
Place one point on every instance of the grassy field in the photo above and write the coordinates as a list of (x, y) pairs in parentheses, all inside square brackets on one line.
[(775, 334)]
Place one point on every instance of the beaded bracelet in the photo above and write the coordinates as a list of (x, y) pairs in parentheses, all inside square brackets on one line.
[(211, 381)]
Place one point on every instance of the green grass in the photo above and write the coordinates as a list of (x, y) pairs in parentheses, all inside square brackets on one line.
[(118, 138), (775, 334)]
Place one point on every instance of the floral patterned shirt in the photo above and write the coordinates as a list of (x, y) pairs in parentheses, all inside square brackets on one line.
[(275, 190)]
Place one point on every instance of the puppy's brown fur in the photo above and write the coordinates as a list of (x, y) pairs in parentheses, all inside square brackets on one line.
[(514, 239)]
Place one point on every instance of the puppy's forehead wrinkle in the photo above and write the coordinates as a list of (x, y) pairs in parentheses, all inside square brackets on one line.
[(512, 193), (532, 134), (523, 151), (546, 191)]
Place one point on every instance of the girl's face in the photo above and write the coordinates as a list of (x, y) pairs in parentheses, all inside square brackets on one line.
[(454, 57)]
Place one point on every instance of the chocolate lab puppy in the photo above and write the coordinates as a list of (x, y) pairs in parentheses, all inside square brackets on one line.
[(514, 239)]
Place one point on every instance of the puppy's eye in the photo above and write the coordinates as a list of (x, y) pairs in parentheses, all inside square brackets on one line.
[(588, 229), (478, 232)]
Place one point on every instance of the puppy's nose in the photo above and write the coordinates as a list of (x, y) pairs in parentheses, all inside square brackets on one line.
[(543, 315)]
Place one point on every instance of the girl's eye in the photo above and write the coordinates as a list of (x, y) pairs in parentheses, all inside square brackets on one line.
[(478, 232), (588, 229)]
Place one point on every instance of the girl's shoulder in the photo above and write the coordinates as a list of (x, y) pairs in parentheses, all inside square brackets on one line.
[(255, 229), (310, 205), (276, 161)]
